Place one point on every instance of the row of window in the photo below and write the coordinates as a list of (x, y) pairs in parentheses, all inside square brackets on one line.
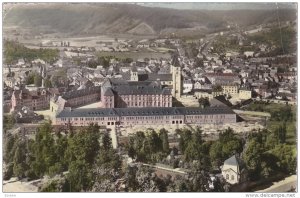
[(148, 100), (159, 121), (144, 96), (135, 118), (206, 116), (227, 177)]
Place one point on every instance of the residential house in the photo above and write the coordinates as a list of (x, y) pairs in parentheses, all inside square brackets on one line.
[(187, 86), (245, 94)]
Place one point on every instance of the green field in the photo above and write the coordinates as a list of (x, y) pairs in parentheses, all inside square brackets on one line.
[(273, 123), (267, 107), (135, 55)]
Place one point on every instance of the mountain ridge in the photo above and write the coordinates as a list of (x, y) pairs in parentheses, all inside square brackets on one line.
[(106, 18)]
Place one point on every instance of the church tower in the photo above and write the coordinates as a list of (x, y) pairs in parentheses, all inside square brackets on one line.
[(176, 81), (176, 77), (43, 74)]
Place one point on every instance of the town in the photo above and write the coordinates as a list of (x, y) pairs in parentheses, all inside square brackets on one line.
[(215, 113)]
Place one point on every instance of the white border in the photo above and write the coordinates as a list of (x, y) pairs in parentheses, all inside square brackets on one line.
[(139, 195)]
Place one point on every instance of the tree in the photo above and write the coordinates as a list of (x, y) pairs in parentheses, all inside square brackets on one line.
[(163, 135), (154, 141), (105, 179), (178, 185), (287, 157), (227, 145), (14, 51), (80, 176), (216, 154), (195, 148), (185, 138), (142, 179), (19, 159), (198, 179), (226, 135), (8, 121), (217, 88), (104, 61), (280, 133), (107, 168), (252, 157), (48, 83), (268, 165), (131, 149), (138, 145), (37, 80), (30, 79), (106, 142), (92, 63), (44, 153), (127, 60), (203, 102), (84, 145), (218, 185), (9, 141)]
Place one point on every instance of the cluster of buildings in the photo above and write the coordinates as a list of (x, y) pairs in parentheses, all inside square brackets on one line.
[(146, 92), (152, 82)]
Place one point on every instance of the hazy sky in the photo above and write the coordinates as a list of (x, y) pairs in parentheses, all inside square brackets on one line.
[(220, 6)]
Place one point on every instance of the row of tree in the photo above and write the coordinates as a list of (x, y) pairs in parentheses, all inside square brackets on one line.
[(149, 147), (13, 51), (266, 154), (50, 153), (105, 61)]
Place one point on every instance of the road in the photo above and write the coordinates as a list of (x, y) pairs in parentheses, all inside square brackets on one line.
[(283, 185)]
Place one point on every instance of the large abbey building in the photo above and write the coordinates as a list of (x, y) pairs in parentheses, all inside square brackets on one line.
[(145, 98), (146, 116)]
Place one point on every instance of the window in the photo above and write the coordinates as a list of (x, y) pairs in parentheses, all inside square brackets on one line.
[(227, 176), (232, 177)]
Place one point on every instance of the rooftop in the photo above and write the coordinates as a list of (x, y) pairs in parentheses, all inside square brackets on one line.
[(81, 92), (140, 90), (146, 111)]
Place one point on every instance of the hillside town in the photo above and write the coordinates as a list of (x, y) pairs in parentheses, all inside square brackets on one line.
[(177, 114)]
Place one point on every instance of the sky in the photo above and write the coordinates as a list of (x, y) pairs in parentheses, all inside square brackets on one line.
[(220, 6)]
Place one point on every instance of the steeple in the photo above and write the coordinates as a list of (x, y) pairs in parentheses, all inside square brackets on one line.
[(43, 74)]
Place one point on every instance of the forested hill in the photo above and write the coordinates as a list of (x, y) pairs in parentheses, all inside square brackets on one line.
[(99, 18)]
